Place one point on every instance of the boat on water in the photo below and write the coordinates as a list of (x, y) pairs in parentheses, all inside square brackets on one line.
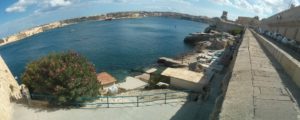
[(108, 19)]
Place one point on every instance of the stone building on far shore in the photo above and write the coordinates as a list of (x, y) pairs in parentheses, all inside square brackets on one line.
[(248, 21), (2, 41)]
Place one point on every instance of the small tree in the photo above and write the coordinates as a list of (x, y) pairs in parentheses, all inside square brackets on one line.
[(66, 77)]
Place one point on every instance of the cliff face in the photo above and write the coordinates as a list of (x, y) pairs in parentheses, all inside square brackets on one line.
[(9, 88)]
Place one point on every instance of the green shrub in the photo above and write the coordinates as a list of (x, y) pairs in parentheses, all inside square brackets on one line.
[(236, 32), (66, 77)]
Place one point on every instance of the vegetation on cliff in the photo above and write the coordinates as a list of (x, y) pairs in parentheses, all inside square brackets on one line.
[(66, 77)]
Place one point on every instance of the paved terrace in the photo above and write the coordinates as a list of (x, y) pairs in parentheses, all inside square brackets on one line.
[(258, 88)]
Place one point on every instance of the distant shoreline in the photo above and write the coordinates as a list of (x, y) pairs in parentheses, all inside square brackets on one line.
[(109, 16)]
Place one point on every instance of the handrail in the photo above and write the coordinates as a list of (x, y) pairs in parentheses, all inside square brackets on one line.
[(135, 99)]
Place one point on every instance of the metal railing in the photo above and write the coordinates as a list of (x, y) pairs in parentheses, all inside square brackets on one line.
[(129, 101)]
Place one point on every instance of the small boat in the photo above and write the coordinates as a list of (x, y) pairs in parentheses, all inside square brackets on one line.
[(108, 19)]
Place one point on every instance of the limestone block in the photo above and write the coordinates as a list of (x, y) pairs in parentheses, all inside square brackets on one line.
[(278, 55), (288, 65), (296, 76)]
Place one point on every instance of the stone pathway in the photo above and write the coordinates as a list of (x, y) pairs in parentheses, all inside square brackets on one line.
[(169, 111), (256, 89)]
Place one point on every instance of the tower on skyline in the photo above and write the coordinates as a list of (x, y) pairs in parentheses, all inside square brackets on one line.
[(224, 15)]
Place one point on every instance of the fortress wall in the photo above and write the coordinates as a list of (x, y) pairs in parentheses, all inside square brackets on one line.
[(291, 32), (9, 89), (226, 26), (280, 30), (289, 64), (298, 35), (286, 23)]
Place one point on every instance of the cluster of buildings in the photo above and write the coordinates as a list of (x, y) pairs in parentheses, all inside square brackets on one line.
[(109, 84)]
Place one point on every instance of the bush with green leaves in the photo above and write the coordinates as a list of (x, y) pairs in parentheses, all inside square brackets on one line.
[(236, 32), (66, 77)]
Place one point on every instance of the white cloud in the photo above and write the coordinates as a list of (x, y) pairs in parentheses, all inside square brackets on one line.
[(260, 7), (58, 3), (22, 5), (296, 2)]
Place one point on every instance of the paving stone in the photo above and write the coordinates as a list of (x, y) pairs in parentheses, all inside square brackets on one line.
[(242, 76), (274, 110), (270, 91), (256, 91), (273, 97), (263, 67), (266, 79), (267, 84), (265, 73)]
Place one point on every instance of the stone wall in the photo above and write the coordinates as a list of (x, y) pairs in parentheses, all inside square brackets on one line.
[(9, 89), (238, 98), (248, 21), (286, 23), (289, 64), (226, 26)]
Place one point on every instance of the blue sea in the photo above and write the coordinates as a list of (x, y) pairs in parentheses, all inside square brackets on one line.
[(116, 46)]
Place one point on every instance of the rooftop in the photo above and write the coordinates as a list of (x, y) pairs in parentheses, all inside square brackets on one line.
[(104, 78), (183, 74)]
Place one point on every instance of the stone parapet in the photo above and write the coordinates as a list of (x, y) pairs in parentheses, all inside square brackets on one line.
[(238, 101)]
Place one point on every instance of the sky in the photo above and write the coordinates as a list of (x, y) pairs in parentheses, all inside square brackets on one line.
[(18, 15)]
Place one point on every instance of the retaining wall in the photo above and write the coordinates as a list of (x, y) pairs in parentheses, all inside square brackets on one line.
[(9, 89)]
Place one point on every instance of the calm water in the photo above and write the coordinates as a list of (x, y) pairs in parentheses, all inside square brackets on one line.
[(116, 46)]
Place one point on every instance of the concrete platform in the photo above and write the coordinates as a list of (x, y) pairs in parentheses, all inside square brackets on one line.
[(131, 83)]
